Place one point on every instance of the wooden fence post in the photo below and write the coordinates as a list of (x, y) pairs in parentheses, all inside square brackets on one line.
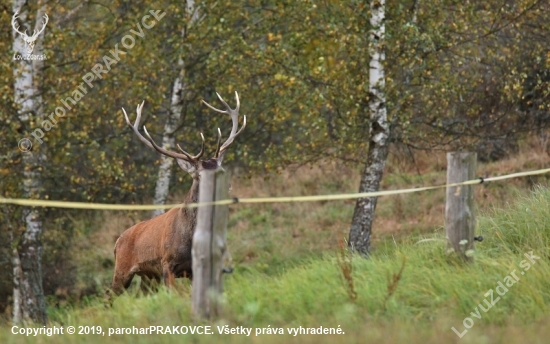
[(209, 245), (459, 208)]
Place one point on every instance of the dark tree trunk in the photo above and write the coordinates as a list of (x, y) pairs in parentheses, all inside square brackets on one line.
[(363, 215), (27, 269), (379, 131)]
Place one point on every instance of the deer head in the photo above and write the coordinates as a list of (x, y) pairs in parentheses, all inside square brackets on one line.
[(192, 163), (29, 39)]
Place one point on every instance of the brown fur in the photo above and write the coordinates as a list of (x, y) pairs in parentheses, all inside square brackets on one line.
[(159, 247)]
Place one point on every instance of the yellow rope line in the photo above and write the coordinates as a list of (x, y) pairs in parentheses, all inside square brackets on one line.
[(102, 206)]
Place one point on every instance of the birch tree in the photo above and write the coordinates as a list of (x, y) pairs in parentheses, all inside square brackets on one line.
[(174, 116), (28, 293), (379, 133)]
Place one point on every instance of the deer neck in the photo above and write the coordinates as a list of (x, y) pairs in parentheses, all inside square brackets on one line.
[(193, 194), (190, 214)]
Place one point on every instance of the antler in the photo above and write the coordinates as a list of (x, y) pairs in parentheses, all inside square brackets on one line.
[(16, 25), (234, 113), (35, 34), (151, 143)]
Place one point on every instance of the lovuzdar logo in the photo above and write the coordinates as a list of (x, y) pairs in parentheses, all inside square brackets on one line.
[(29, 40)]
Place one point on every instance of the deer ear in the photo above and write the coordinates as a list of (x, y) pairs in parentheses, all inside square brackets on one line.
[(186, 166)]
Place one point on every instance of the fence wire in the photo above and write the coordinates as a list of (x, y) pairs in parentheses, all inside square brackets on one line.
[(313, 198)]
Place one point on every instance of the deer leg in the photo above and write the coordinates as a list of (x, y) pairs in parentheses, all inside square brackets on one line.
[(119, 284), (167, 276), (145, 285), (155, 283), (122, 277), (149, 283), (183, 270)]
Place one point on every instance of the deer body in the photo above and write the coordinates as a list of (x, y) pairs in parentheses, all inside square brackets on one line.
[(161, 247)]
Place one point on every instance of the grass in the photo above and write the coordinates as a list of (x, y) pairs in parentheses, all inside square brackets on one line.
[(434, 293)]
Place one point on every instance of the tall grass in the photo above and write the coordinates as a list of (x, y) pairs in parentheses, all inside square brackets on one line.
[(433, 293)]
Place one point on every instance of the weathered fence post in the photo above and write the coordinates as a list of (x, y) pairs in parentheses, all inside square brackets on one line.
[(459, 209), (209, 245)]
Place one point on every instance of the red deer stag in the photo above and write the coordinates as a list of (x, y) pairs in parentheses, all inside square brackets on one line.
[(161, 246)]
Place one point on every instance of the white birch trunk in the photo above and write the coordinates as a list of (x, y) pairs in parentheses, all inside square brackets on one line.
[(379, 130), (409, 73), (176, 106), (28, 293), (168, 141)]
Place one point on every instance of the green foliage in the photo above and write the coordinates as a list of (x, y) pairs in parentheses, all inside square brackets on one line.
[(301, 68), (302, 71), (459, 73)]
